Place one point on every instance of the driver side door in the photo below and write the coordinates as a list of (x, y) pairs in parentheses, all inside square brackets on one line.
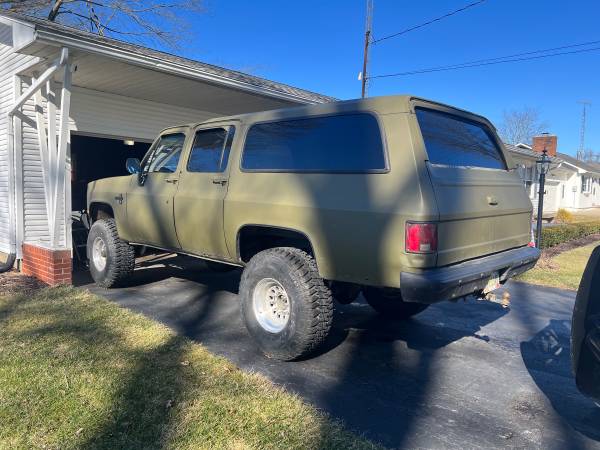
[(151, 193), (585, 330)]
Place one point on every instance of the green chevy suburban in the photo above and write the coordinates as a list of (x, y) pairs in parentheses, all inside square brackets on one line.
[(408, 201)]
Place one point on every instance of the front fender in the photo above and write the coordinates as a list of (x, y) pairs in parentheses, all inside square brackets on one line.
[(111, 192)]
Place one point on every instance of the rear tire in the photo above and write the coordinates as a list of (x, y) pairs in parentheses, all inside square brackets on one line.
[(388, 302), (286, 306), (111, 259)]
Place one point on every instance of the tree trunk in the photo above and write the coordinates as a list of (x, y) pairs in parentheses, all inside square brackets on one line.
[(54, 11)]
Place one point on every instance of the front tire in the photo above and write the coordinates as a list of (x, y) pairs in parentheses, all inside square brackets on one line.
[(111, 259), (389, 303), (286, 306)]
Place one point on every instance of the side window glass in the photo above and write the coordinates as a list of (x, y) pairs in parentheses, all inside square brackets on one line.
[(331, 144), (210, 151), (165, 155)]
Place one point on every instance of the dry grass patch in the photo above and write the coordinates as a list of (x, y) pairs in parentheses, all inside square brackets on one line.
[(79, 372), (563, 270)]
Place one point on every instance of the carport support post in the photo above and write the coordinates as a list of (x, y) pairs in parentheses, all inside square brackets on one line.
[(50, 262), (61, 160)]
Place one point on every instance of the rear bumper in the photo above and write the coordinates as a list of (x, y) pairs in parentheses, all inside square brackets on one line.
[(459, 280)]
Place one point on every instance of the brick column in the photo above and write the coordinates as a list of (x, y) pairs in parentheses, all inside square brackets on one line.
[(50, 266)]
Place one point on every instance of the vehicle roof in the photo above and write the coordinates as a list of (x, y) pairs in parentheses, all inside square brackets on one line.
[(389, 103)]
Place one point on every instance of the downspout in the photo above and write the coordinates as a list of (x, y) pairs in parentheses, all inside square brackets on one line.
[(12, 256), (12, 232)]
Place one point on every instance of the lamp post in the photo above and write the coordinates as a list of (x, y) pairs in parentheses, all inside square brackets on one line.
[(543, 165)]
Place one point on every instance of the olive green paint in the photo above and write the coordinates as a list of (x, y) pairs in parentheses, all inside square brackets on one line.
[(355, 222)]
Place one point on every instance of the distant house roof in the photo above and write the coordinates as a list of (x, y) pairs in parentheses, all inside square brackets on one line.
[(525, 150), (588, 167), (44, 27)]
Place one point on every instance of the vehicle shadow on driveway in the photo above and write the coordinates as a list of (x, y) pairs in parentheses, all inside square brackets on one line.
[(381, 377), (547, 357), (389, 373)]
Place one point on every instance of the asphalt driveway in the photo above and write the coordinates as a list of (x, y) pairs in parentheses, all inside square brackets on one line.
[(460, 375)]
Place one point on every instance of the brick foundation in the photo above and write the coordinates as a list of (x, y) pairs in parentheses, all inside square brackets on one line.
[(51, 266)]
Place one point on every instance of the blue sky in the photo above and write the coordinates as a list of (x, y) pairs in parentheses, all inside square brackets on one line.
[(318, 45)]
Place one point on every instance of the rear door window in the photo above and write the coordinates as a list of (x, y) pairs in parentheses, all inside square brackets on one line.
[(453, 141), (349, 143)]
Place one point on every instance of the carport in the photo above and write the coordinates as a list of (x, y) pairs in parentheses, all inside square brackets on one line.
[(75, 106)]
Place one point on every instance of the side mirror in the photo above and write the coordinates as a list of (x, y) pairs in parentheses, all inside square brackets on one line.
[(585, 330), (133, 165)]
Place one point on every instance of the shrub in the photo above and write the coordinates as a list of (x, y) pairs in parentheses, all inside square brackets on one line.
[(563, 216), (552, 236)]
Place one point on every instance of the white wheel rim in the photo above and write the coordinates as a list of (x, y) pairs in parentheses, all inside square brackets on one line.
[(271, 305), (99, 254)]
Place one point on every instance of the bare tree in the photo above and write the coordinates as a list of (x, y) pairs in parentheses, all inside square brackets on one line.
[(141, 21), (520, 126)]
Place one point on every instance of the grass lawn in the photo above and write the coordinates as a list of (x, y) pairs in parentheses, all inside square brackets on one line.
[(562, 271), (589, 215), (79, 372)]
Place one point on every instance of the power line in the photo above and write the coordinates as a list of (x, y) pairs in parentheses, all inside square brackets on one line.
[(429, 22), (489, 62), (563, 47)]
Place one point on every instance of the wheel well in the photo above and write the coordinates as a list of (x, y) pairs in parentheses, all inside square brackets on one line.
[(253, 239), (101, 211)]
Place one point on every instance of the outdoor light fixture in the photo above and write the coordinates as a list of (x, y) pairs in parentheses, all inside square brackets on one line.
[(543, 166), (129, 142)]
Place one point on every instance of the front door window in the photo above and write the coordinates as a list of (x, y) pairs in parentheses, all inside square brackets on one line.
[(165, 154)]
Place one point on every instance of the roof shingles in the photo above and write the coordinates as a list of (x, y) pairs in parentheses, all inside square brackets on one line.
[(42, 24)]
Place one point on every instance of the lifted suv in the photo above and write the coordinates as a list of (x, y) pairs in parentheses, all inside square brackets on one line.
[(409, 201)]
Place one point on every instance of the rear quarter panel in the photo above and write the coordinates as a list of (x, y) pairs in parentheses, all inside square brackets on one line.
[(355, 222)]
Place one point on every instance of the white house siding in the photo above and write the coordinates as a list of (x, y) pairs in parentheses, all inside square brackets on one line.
[(591, 198), (10, 63), (95, 113)]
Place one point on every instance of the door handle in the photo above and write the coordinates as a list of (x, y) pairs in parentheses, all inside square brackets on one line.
[(171, 180), (221, 181), (493, 201)]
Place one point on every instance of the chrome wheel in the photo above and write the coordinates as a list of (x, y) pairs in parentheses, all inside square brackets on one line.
[(99, 254), (271, 305)]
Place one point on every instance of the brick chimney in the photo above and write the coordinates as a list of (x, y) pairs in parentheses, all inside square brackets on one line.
[(545, 141)]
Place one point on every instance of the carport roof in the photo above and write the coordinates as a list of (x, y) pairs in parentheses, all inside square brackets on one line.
[(59, 34)]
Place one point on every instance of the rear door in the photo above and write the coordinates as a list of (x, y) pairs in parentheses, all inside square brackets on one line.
[(483, 206), (201, 192), (585, 330)]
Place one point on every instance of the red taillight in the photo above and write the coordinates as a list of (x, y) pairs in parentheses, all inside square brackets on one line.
[(421, 237)]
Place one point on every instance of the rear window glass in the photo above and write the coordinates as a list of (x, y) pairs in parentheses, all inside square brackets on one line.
[(453, 141), (344, 143)]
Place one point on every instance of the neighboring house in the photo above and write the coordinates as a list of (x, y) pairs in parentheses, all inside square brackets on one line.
[(570, 184), (74, 106), (582, 187)]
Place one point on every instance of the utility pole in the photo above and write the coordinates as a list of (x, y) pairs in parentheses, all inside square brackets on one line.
[(581, 151), (369, 24)]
